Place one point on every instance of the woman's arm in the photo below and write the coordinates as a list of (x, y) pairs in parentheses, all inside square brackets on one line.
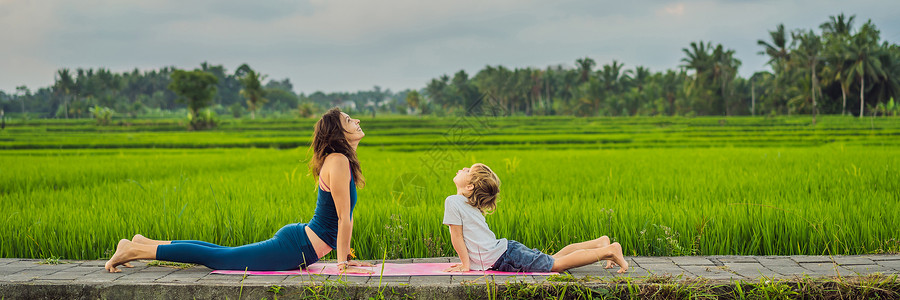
[(459, 244), (339, 171)]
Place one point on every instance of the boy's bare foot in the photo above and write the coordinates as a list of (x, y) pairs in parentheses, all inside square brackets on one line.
[(610, 264), (618, 258), (121, 257)]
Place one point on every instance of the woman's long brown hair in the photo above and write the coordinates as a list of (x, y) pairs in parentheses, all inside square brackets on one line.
[(328, 138)]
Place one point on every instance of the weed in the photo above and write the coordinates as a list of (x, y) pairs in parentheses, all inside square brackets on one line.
[(275, 290), (170, 264), (52, 260)]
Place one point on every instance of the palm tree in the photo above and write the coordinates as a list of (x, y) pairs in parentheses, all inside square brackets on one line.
[(22, 92), (888, 85), (437, 90), (640, 78), (779, 55), (839, 25), (863, 54), (65, 85), (836, 32), (253, 90), (724, 69), (412, 99), (699, 59), (808, 53), (612, 80), (584, 67)]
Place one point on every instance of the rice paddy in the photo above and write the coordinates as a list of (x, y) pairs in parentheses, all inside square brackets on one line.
[(659, 186)]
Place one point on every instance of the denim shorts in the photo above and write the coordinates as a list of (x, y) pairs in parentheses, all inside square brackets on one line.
[(519, 258)]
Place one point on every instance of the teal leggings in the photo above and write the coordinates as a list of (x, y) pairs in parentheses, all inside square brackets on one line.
[(287, 250)]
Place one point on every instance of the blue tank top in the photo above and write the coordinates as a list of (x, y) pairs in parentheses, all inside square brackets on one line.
[(325, 220)]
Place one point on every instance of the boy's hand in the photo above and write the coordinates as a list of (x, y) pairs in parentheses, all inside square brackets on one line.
[(457, 268)]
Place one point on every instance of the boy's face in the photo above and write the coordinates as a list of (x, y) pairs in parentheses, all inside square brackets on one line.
[(463, 177)]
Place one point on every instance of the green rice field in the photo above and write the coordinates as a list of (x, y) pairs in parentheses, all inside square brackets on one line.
[(659, 186)]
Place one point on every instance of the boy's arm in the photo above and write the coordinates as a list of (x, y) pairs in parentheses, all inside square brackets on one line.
[(459, 244)]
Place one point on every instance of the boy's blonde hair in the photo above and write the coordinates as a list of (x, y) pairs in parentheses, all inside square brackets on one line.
[(486, 187)]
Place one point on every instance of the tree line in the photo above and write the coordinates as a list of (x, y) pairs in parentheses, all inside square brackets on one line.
[(840, 68)]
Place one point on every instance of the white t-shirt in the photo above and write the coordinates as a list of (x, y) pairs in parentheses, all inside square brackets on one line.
[(483, 246)]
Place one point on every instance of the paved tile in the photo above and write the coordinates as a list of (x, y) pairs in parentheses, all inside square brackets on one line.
[(586, 270), (811, 259), (26, 275), (58, 267), (736, 259), (267, 280), (430, 280), (183, 276), (709, 267), (353, 279), (692, 261), (62, 276), (663, 268), (51, 281), (479, 279), (146, 275), (100, 276), (777, 262), (640, 260), (893, 264), (881, 257), (218, 279), (317, 278), (101, 264), (853, 261), (385, 279), (633, 272), (751, 270), (83, 270), (513, 279), (4, 261), (34, 273), (21, 264), (712, 272), (672, 272), (825, 269), (863, 270), (789, 271), (8, 271)]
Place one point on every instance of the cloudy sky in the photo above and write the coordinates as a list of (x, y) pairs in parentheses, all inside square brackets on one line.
[(349, 45)]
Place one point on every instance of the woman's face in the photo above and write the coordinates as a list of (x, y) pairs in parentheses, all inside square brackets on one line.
[(352, 131)]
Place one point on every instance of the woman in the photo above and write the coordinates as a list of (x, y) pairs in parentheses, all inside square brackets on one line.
[(337, 171)]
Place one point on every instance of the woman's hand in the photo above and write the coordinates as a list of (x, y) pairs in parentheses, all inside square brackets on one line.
[(457, 268), (351, 267), (359, 263)]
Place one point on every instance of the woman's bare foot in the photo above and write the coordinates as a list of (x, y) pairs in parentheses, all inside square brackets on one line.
[(140, 239), (122, 256), (618, 258)]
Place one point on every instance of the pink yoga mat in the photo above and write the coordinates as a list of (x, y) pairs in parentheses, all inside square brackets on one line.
[(390, 269)]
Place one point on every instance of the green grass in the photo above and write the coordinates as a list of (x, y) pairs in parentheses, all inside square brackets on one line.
[(674, 186)]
